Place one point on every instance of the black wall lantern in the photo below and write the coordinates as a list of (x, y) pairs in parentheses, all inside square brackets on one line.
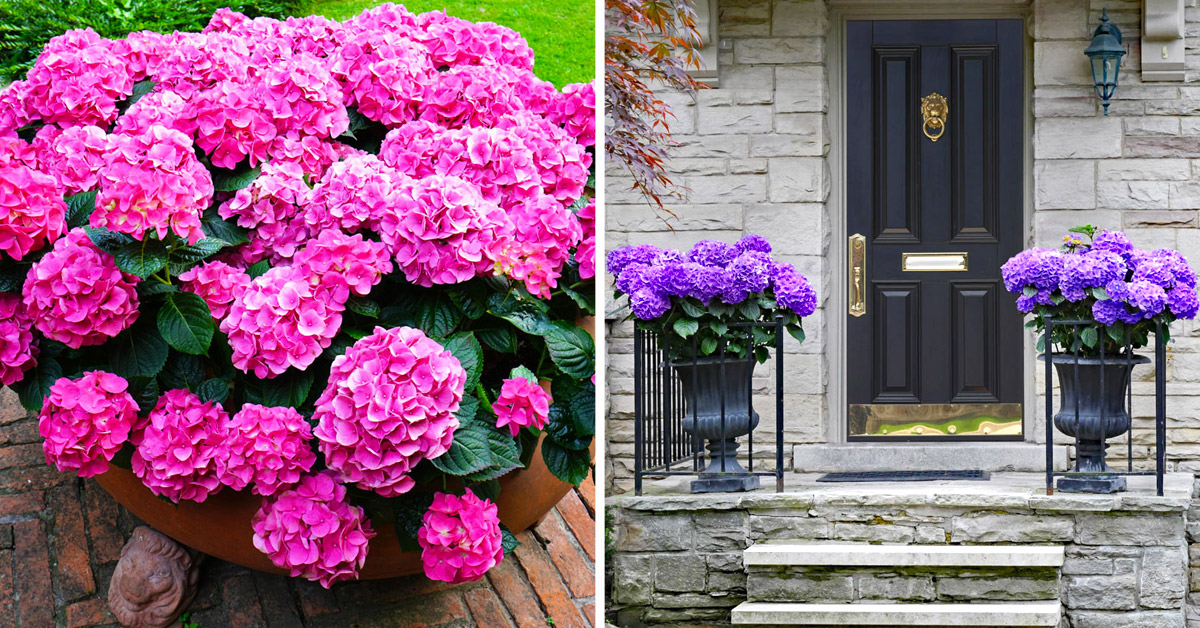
[(1105, 55)]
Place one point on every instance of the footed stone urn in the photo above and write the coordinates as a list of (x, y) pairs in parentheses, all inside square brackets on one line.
[(706, 390)]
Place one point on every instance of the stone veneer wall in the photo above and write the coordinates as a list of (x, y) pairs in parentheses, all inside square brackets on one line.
[(754, 153), (678, 560)]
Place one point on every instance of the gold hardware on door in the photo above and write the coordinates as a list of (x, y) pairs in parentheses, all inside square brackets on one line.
[(934, 109), (933, 262), (858, 272)]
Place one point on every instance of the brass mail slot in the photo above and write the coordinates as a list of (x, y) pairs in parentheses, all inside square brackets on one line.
[(951, 419), (934, 262)]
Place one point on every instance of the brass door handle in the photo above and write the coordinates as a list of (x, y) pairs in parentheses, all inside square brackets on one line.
[(858, 275), (934, 110)]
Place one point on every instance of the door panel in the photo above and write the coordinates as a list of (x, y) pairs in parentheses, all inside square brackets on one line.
[(937, 352)]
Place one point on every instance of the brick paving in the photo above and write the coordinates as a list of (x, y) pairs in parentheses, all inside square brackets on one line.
[(60, 538)]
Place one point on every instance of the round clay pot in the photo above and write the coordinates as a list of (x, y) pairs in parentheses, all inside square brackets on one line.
[(220, 526)]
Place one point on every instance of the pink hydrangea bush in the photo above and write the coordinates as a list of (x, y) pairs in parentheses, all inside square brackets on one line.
[(181, 449), (313, 532), (18, 350), (460, 537), (86, 421), (76, 294), (522, 403), (337, 233), (267, 448), (375, 440)]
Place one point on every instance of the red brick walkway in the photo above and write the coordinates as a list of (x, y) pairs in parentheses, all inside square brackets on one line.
[(60, 538)]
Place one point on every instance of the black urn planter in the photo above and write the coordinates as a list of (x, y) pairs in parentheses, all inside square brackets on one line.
[(706, 386), (1102, 415)]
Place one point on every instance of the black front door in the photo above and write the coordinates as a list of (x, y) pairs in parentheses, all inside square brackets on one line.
[(935, 193)]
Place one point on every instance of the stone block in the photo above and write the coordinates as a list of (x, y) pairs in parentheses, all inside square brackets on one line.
[(1152, 125), (1143, 170), (721, 530), (696, 601), (740, 77), (1185, 196), (779, 50), (654, 533), (678, 573), (799, 527), (1060, 19), (1132, 194), (1118, 529), (1115, 592), (741, 188), (799, 18), (794, 586), (1087, 567), (1065, 184), (728, 146), (991, 587), (1006, 528), (896, 588), (739, 119), (800, 88), (1182, 146), (1059, 63), (798, 179), (1140, 619), (1163, 577), (1151, 219), (778, 145), (633, 578), (796, 229), (929, 534), (1078, 138), (872, 533)]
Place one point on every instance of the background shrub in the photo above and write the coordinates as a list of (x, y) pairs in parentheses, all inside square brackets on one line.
[(26, 25)]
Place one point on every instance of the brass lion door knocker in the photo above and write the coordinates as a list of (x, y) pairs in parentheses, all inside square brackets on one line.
[(934, 110)]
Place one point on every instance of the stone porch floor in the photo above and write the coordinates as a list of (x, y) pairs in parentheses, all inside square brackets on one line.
[(60, 538)]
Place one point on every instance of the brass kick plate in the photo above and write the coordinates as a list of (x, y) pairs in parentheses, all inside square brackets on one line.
[(919, 420), (933, 262)]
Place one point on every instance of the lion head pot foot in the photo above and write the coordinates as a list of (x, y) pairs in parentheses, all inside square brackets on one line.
[(154, 582)]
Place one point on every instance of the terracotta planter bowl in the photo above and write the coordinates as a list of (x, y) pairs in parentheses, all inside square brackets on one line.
[(220, 526)]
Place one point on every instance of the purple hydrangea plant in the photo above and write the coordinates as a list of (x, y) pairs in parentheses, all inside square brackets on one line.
[(701, 293), (1104, 278)]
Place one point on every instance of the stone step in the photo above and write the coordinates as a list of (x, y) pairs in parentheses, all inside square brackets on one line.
[(1042, 613), (847, 555)]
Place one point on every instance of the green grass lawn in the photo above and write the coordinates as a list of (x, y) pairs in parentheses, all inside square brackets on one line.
[(562, 33)]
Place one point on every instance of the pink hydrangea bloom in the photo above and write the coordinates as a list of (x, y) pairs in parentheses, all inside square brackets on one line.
[(497, 161), (313, 154), (385, 75), (312, 531), (179, 452), (282, 320), (413, 148), (153, 182), (199, 61), (77, 80), (586, 253), (267, 448), (217, 283), (358, 262), (86, 421), (18, 351), (373, 439), (460, 537), (385, 17), (160, 107), (471, 95), (142, 52), (543, 233), (74, 157), (32, 210), (231, 125), (13, 112), (522, 403), (270, 207), (302, 96), (77, 295), (453, 41), (444, 232), (354, 194), (15, 151), (575, 111), (562, 165)]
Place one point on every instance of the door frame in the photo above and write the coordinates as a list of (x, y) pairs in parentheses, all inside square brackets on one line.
[(841, 11)]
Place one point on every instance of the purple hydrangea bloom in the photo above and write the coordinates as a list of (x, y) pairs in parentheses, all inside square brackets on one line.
[(1108, 311), (1113, 242), (712, 253), (793, 291), (1032, 267), (752, 242), (708, 282), (634, 277), (1093, 269), (1182, 301), (648, 305), (1181, 272), (620, 258), (671, 279), (751, 271), (1155, 270), (1149, 299)]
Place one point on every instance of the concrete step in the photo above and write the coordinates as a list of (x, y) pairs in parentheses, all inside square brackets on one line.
[(1043, 613), (794, 554)]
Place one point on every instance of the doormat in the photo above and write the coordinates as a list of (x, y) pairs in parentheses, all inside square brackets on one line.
[(902, 476)]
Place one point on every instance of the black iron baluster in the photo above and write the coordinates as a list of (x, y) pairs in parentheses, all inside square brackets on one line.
[(1160, 404), (778, 403), (722, 391), (750, 397), (1049, 332), (639, 390)]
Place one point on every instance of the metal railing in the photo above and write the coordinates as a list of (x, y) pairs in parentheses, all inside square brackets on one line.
[(1160, 405), (663, 446)]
